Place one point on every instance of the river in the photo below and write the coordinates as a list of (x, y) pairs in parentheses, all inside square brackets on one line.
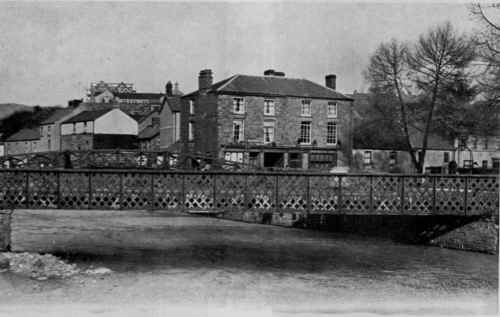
[(226, 267)]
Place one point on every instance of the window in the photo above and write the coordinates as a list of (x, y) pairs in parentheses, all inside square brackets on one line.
[(446, 157), (485, 164), (495, 162), (269, 107), (306, 108), (367, 157), (177, 126), (191, 106), (268, 134), (85, 127), (322, 160), (155, 121), (238, 131), (331, 133), (305, 132), (393, 156), (234, 157), (48, 130), (332, 110), (191, 131), (238, 105), (48, 144)]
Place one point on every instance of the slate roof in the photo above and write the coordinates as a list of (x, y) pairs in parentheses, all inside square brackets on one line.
[(56, 116), (273, 86), (137, 95), (149, 132), (25, 135), (174, 102), (87, 116)]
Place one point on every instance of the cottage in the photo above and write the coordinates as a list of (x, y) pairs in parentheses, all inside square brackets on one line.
[(99, 129), (24, 141), (392, 156), (269, 121), (478, 151)]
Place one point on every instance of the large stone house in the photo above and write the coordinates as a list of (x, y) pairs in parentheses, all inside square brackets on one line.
[(269, 121), (26, 140), (99, 129)]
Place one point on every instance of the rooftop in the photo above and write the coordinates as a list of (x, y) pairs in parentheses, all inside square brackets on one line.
[(274, 86), (138, 95), (26, 134), (87, 116), (57, 115)]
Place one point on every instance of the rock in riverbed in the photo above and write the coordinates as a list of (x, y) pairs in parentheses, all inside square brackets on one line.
[(39, 266)]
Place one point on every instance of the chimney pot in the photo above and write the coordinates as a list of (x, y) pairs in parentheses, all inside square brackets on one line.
[(331, 81), (205, 79), (168, 88)]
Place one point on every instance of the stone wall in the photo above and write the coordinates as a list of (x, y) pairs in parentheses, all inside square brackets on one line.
[(5, 229), (481, 235)]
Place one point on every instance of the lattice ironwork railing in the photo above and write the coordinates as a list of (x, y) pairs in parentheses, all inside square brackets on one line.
[(225, 191)]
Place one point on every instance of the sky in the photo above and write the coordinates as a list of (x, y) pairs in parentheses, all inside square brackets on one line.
[(50, 52)]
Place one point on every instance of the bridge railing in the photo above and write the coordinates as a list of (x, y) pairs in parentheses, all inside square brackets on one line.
[(268, 192)]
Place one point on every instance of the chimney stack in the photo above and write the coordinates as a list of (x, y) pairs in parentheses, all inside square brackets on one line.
[(331, 81), (269, 72), (205, 79), (168, 88)]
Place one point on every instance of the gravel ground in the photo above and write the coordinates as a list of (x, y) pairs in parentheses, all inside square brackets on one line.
[(246, 269)]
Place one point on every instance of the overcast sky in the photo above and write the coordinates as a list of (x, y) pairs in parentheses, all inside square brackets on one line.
[(50, 52)]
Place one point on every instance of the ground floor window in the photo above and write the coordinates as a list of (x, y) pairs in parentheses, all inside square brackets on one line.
[(393, 156), (485, 164), (234, 157), (446, 157), (495, 162), (322, 160), (367, 157), (295, 160), (273, 160), (253, 158)]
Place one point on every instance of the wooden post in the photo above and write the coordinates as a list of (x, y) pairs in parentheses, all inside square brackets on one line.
[(246, 204), (183, 193), (120, 200)]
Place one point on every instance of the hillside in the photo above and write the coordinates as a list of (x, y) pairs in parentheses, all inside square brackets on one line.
[(6, 109)]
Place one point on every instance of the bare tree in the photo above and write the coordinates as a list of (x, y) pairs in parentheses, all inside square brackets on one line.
[(488, 41), (425, 69)]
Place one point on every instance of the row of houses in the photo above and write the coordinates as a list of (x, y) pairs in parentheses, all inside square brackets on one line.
[(268, 121)]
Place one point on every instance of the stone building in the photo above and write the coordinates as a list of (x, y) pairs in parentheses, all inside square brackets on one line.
[(171, 120), (99, 129), (478, 151), (393, 157), (269, 121), (50, 134), (24, 141)]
